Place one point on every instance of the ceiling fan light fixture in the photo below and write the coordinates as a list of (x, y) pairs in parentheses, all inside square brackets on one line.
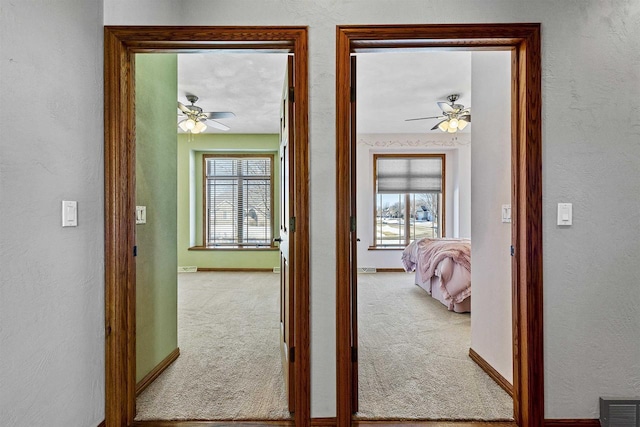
[(456, 116), (195, 119), (444, 126), (199, 127), (190, 124), (183, 125)]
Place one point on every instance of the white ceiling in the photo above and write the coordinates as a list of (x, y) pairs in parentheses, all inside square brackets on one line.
[(392, 87), (247, 84)]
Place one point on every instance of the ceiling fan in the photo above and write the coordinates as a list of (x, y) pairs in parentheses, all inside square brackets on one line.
[(456, 116), (195, 120)]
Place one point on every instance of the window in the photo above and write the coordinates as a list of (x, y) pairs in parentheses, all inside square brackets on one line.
[(409, 201), (238, 201)]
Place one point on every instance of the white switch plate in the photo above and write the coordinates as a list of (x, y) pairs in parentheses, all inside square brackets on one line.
[(141, 214), (69, 213), (565, 214), (506, 213)]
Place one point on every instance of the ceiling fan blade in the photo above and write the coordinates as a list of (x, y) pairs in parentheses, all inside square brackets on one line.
[(423, 118), (445, 107), (217, 125), (466, 117), (220, 115), (436, 126), (182, 108)]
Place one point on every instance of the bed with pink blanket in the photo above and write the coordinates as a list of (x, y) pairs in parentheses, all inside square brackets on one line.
[(443, 269)]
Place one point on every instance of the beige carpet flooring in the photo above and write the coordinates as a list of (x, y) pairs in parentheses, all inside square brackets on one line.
[(229, 365), (414, 361)]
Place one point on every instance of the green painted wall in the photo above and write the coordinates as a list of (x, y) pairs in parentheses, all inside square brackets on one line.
[(190, 151), (156, 263)]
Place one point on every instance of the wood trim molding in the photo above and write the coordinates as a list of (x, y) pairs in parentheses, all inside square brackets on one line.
[(343, 229), (526, 165), (527, 233), (157, 370), (330, 422), (424, 423), (224, 423), (323, 422), (580, 422), (229, 249), (119, 232), (390, 270), (121, 43), (252, 270), (490, 370)]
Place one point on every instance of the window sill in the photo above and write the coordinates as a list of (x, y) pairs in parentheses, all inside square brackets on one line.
[(231, 248), (386, 248)]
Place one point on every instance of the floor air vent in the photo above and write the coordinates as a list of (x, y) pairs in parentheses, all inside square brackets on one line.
[(366, 269), (619, 412), (187, 269)]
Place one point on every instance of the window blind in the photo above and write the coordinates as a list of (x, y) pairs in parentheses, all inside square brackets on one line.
[(409, 174), (238, 201)]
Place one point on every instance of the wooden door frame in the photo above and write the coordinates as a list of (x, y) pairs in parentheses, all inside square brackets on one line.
[(121, 43), (526, 197)]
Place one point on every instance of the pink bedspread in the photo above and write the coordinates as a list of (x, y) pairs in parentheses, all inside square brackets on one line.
[(427, 254)]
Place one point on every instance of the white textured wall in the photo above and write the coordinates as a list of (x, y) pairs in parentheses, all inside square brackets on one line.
[(465, 209), (491, 335), (51, 278), (51, 294)]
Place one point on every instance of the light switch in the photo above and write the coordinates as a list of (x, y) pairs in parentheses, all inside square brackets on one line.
[(141, 214), (506, 213), (69, 213), (565, 214)]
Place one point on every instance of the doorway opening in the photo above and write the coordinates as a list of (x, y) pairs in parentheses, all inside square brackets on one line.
[(121, 46), (222, 220), (523, 40), (429, 201)]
